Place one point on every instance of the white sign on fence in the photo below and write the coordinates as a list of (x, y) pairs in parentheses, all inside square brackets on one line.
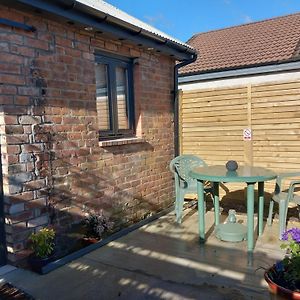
[(247, 134)]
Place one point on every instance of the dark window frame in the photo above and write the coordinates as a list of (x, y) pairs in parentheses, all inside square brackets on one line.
[(112, 62)]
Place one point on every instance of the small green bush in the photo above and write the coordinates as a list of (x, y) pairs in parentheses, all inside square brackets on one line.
[(42, 242)]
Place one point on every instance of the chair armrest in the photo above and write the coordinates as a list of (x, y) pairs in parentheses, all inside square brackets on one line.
[(282, 176), (292, 186), (179, 181)]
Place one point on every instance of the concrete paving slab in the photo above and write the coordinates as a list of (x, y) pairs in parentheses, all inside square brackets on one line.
[(161, 260)]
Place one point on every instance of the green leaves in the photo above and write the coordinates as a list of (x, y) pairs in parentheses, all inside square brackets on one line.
[(42, 242)]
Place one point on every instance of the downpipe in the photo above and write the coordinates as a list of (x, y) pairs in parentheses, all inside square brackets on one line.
[(176, 104)]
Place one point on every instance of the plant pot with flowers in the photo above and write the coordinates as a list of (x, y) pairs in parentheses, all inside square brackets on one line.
[(42, 244), (96, 225), (283, 277)]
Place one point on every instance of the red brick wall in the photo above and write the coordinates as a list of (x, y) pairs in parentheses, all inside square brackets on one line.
[(53, 167)]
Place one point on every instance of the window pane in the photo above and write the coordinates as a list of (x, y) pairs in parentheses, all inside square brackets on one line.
[(102, 97), (121, 82)]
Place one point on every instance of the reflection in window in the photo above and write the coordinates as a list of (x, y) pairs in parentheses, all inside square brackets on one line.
[(102, 97), (121, 81)]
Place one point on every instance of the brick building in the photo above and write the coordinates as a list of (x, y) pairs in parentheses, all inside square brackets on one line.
[(86, 116)]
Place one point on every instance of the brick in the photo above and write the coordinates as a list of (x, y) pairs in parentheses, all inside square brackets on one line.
[(63, 42), (22, 100), (29, 91), (6, 89), (26, 157), (23, 50), (15, 149), (39, 44), (135, 53), (12, 79), (6, 99), (10, 159), (10, 120), (29, 120), (19, 217), (32, 147), (17, 168), (20, 178), (22, 235), (40, 221), (111, 46), (17, 139), (11, 58), (36, 203), (35, 184), (82, 38), (16, 208), (10, 37), (97, 43), (14, 129), (88, 56), (4, 47), (26, 196), (10, 68)]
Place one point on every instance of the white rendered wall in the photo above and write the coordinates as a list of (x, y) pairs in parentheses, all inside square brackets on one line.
[(257, 79)]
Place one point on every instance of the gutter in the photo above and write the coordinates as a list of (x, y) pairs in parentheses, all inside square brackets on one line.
[(176, 103)]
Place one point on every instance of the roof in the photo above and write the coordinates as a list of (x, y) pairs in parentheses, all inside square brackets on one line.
[(271, 41), (126, 18)]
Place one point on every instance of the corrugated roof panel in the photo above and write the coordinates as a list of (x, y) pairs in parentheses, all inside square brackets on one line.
[(126, 18)]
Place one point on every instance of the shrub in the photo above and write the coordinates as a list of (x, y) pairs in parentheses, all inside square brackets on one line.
[(42, 242), (96, 225)]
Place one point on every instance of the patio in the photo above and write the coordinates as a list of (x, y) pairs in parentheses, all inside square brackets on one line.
[(161, 260)]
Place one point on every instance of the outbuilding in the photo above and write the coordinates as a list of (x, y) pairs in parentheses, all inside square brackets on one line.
[(86, 117)]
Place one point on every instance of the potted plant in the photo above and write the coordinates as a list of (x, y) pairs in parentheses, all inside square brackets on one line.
[(96, 226), (283, 278), (42, 244)]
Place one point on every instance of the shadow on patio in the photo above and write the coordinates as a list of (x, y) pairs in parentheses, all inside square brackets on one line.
[(161, 261)]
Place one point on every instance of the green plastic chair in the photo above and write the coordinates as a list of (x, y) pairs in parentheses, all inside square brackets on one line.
[(283, 198), (184, 184)]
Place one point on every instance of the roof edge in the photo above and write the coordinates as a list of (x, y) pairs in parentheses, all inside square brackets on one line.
[(286, 66), (89, 16)]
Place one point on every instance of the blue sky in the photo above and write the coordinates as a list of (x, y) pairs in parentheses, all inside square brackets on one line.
[(183, 18)]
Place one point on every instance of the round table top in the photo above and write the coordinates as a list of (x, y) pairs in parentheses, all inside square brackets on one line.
[(242, 174)]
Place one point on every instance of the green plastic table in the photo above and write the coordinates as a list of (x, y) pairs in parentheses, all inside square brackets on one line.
[(247, 174)]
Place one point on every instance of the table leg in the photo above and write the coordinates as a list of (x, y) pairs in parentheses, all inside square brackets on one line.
[(250, 215), (216, 202), (201, 213), (260, 207)]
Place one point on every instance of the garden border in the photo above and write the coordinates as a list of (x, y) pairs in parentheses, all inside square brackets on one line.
[(70, 257)]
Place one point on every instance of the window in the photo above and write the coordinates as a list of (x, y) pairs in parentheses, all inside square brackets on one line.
[(114, 89)]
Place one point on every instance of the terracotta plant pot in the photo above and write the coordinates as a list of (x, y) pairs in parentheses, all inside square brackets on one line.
[(88, 241), (279, 291), (37, 263)]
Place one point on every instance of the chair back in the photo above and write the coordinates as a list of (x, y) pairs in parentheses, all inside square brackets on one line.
[(181, 166)]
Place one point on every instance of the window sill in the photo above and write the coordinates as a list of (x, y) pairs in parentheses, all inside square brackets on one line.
[(123, 141)]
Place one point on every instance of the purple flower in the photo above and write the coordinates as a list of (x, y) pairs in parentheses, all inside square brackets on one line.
[(294, 233)]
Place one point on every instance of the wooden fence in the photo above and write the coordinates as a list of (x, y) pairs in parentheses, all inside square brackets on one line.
[(212, 122)]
